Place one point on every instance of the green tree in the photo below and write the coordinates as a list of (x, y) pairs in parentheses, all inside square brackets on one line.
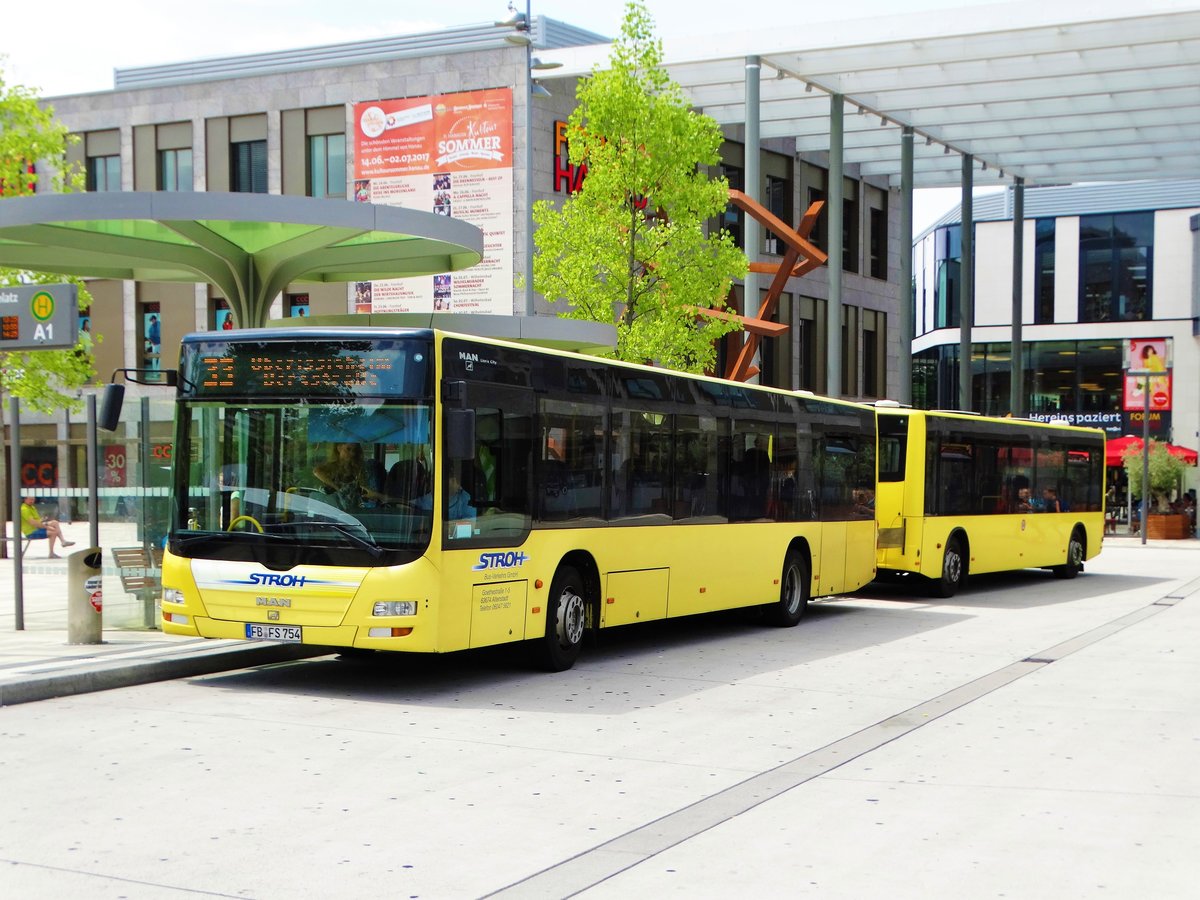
[(1166, 473), (629, 247), (30, 137)]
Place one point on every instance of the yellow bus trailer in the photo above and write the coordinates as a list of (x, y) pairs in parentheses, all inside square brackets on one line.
[(959, 493)]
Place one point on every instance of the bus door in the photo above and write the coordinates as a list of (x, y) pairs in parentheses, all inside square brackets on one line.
[(890, 498)]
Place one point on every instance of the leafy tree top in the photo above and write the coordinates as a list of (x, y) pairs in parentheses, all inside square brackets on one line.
[(33, 147), (629, 247)]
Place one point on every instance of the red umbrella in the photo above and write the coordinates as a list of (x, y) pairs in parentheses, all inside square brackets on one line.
[(1115, 450)]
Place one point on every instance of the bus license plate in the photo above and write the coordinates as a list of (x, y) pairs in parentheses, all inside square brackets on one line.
[(289, 634)]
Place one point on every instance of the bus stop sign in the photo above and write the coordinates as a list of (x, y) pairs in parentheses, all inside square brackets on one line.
[(39, 316)]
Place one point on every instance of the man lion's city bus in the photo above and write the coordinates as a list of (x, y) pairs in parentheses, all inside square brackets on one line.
[(414, 490), (960, 493)]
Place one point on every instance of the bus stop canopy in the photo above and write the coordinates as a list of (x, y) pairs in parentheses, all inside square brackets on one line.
[(1054, 93), (248, 246)]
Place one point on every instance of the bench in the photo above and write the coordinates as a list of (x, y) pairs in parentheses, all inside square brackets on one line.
[(141, 575)]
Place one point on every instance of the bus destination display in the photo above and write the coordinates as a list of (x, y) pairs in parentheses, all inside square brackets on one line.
[(270, 368)]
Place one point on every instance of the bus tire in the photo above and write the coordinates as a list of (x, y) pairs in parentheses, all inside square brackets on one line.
[(789, 609), (566, 622), (1076, 550), (954, 569)]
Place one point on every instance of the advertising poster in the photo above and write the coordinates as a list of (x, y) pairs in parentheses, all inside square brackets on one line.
[(152, 329), (1160, 392), (449, 154)]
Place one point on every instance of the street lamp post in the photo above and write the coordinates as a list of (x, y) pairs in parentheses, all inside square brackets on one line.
[(522, 34)]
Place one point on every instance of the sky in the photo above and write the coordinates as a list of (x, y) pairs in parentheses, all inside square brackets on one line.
[(98, 38)]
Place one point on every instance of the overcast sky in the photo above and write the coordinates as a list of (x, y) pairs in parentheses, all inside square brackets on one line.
[(90, 40)]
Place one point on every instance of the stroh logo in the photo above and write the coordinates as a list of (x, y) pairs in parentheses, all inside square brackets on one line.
[(470, 139)]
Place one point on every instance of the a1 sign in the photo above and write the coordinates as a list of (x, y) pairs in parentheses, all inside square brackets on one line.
[(39, 317)]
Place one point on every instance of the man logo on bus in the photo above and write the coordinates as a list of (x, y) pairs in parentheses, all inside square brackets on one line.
[(509, 560)]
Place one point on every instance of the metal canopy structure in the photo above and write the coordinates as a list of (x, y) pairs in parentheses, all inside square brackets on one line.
[(248, 246), (1053, 93)]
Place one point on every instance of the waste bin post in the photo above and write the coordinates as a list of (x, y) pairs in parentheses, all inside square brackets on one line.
[(85, 597)]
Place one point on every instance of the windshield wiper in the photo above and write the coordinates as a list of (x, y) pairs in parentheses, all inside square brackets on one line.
[(364, 543)]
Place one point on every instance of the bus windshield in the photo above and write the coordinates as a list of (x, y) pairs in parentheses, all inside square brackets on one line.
[(324, 477)]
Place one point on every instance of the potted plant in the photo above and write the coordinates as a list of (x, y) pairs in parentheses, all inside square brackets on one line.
[(1166, 474)]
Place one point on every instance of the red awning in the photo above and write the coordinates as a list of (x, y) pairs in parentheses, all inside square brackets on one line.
[(1115, 450)]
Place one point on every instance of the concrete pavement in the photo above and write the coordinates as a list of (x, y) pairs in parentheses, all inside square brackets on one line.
[(39, 662)]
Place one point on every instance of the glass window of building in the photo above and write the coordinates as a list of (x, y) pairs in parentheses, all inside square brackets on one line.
[(850, 320), (878, 235), (327, 165), (248, 167), (778, 202), (874, 353), (1116, 252), (820, 232), (104, 173), (1043, 268), (947, 258), (850, 225), (807, 329), (732, 218), (175, 170)]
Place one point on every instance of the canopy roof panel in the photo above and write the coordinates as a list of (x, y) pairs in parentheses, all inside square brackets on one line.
[(250, 246), (1056, 93)]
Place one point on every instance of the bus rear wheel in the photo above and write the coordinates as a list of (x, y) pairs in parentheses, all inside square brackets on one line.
[(954, 570), (566, 622), (1075, 555), (789, 609)]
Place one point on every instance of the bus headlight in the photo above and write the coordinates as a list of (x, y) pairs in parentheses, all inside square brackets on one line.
[(395, 608), (171, 595)]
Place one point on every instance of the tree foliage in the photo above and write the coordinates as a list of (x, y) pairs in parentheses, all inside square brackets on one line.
[(629, 248), (33, 147), (1166, 472)]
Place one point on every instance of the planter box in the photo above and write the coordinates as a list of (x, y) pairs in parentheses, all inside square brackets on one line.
[(1167, 527)]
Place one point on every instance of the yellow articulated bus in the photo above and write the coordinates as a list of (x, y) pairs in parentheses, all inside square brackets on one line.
[(959, 493), (414, 490)]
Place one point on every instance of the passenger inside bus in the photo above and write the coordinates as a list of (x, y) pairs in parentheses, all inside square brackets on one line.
[(459, 506), (347, 476)]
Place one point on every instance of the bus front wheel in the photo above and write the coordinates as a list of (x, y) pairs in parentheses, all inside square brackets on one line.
[(954, 570), (566, 622), (793, 593), (1075, 554)]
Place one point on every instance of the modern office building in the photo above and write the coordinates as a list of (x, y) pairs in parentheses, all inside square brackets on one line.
[(1103, 265), (334, 121), (342, 122)]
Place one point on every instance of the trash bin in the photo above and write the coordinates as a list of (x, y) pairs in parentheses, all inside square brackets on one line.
[(85, 603)]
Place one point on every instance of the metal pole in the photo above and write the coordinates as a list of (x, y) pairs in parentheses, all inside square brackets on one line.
[(966, 293), (530, 306), (93, 456), (833, 306), (1016, 400), (752, 166), (14, 476), (907, 312), (1145, 457)]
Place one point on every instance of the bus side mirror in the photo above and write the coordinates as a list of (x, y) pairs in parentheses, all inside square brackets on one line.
[(460, 433), (110, 406)]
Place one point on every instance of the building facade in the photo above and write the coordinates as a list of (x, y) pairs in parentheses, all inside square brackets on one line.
[(293, 122), (1103, 265)]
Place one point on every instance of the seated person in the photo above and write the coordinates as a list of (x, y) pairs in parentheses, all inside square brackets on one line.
[(345, 474), (459, 506), (1026, 502), (1050, 502), (33, 526)]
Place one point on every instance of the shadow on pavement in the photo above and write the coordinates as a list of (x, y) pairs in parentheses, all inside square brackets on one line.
[(638, 664)]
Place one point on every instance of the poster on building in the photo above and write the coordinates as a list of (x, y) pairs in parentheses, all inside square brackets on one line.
[(449, 154), (1160, 392), (1147, 356)]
